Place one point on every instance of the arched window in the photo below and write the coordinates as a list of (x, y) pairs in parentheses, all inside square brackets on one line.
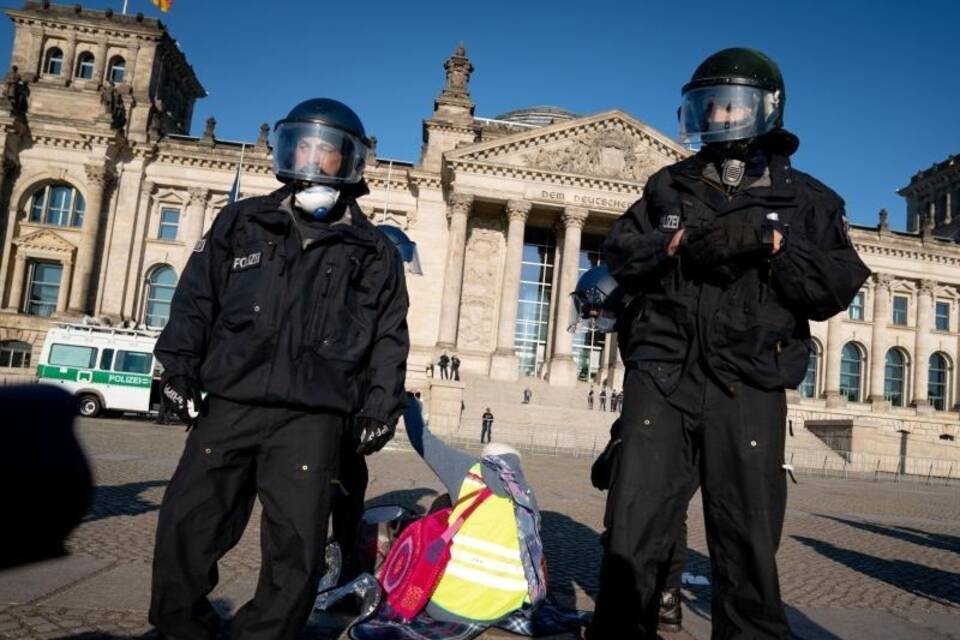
[(116, 70), (53, 65), (59, 204), (851, 366), (15, 353), (85, 66), (937, 381), (808, 388), (160, 287), (894, 374)]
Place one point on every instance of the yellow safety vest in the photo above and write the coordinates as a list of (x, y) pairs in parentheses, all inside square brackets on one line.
[(484, 580)]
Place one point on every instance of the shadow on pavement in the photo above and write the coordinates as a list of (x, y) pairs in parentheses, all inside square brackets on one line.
[(920, 580), (122, 500), (573, 554), (907, 534), (801, 626)]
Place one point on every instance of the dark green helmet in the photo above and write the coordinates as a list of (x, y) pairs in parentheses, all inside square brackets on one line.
[(735, 94)]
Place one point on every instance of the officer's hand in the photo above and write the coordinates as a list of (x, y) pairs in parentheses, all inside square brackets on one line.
[(181, 395), (723, 240), (372, 434), (674, 245)]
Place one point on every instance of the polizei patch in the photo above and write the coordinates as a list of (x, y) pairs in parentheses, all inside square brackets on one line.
[(247, 262), (670, 222)]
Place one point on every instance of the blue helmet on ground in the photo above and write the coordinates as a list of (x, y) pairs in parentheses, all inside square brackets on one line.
[(596, 301), (406, 247)]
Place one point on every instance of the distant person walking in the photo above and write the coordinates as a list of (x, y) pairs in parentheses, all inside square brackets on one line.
[(603, 399), (590, 398), (455, 367), (486, 431), (527, 394)]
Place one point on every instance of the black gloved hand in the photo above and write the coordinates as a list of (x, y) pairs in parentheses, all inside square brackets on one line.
[(180, 394), (722, 240), (371, 434)]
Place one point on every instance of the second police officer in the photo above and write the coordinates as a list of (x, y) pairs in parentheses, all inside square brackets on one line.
[(291, 315), (728, 255)]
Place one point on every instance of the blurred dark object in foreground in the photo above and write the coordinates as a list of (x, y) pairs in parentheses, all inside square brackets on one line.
[(45, 481)]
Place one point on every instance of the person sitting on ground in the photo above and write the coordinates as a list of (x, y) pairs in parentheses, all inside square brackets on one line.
[(496, 564)]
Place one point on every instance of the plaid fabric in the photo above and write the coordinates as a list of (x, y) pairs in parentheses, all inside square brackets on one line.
[(528, 526), (547, 618)]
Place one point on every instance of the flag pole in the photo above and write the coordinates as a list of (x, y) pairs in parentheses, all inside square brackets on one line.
[(124, 7), (243, 147)]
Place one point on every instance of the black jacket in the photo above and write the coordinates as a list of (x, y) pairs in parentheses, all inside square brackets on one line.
[(258, 319), (750, 318)]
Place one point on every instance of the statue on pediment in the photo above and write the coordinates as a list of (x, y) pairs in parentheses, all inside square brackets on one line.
[(610, 153)]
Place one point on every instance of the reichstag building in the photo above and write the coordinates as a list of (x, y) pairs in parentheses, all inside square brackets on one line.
[(104, 194)]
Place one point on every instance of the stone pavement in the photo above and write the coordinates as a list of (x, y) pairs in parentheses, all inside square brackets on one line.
[(858, 559)]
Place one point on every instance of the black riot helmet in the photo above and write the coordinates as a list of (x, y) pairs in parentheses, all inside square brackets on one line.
[(406, 247), (596, 301), (321, 141), (735, 94)]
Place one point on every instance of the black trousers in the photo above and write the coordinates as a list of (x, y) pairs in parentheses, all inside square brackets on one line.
[(486, 432), (235, 454), (347, 505), (734, 443)]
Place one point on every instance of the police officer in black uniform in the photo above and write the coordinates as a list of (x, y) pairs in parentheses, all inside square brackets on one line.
[(291, 315), (727, 257)]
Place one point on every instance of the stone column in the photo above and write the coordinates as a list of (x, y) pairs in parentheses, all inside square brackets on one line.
[(459, 210), (563, 371), (504, 365), (99, 64), (878, 341), (831, 355), (196, 209), (97, 179), (921, 349), (64, 285), (16, 285), (69, 59), (948, 208)]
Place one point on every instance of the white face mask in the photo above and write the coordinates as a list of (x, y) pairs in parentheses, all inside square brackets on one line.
[(316, 201)]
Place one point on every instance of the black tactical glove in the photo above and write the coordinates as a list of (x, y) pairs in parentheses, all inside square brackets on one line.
[(181, 395), (722, 240), (371, 434)]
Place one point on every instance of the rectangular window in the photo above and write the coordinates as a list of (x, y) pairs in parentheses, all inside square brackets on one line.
[(533, 306), (943, 316), (169, 223), (855, 310), (43, 288), (72, 355), (900, 306), (106, 359), (133, 362)]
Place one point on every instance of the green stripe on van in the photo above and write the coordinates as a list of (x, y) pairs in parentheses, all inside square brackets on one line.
[(72, 374)]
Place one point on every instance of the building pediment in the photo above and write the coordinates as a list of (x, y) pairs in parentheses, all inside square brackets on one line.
[(45, 241), (607, 146)]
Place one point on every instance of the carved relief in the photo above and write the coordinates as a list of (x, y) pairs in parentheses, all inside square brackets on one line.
[(614, 152), (481, 276)]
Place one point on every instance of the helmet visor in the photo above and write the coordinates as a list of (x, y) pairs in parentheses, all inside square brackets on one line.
[(589, 316), (318, 153), (727, 112)]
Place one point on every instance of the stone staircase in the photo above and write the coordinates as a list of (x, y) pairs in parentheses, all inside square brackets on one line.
[(557, 419)]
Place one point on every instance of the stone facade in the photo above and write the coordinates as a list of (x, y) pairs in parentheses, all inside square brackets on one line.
[(489, 202)]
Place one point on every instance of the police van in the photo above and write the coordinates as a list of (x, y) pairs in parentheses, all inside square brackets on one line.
[(106, 368)]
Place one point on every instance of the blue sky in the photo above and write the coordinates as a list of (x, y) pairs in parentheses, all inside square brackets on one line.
[(873, 88)]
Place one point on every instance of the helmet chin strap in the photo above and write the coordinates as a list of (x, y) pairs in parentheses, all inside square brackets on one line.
[(316, 200)]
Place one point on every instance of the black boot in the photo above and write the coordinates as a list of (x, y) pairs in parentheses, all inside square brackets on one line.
[(671, 613)]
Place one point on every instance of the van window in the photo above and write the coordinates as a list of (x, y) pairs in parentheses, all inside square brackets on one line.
[(106, 359), (72, 355), (133, 362)]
